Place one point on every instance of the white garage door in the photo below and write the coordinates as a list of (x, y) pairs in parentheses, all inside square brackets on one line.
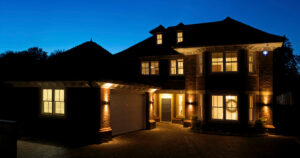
[(127, 111)]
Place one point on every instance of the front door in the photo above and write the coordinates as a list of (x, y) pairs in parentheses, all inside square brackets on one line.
[(166, 109)]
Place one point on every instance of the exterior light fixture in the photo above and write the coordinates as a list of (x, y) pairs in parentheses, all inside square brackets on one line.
[(265, 52), (107, 85)]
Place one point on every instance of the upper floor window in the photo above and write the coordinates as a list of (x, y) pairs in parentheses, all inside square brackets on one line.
[(53, 105), (150, 67), (154, 67), (221, 62), (179, 37), (251, 65), (176, 67), (159, 38), (227, 111), (201, 63), (145, 67)]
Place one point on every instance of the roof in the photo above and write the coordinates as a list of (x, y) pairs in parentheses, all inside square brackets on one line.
[(224, 32), (88, 48), (148, 47)]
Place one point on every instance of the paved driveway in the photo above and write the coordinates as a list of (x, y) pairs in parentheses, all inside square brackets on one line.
[(169, 140)]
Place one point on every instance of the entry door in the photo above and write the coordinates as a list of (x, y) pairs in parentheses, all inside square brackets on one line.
[(166, 109)]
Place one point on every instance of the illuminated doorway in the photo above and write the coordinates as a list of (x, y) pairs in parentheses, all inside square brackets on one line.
[(166, 109)]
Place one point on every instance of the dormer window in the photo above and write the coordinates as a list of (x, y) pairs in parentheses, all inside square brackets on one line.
[(179, 37), (159, 38)]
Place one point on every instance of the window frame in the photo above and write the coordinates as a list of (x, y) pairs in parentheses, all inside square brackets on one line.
[(253, 62), (224, 118), (179, 38), (252, 113), (224, 62), (177, 68), (150, 68), (159, 38), (53, 113)]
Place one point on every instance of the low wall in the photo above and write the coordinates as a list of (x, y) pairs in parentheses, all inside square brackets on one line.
[(8, 139)]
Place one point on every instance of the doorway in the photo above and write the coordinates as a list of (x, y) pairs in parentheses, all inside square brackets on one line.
[(166, 109)]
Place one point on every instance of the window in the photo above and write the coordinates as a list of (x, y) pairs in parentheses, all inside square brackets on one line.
[(159, 38), (251, 65), (227, 111), (176, 67), (154, 68), (251, 105), (145, 68), (53, 105), (150, 67), (217, 107), (179, 37), (231, 62), (217, 62), (231, 107), (221, 62), (201, 64)]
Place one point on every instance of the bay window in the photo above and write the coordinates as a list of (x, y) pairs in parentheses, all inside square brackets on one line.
[(176, 67), (251, 65), (150, 67), (224, 61)]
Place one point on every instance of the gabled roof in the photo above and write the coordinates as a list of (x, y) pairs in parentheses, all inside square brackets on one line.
[(148, 47), (225, 32), (88, 48)]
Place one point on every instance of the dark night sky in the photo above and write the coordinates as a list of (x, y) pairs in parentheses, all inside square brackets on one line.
[(118, 24)]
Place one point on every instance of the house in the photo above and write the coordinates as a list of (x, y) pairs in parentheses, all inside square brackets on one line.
[(220, 73)]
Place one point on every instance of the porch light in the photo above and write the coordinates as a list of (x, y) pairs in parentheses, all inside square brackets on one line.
[(265, 52), (107, 85)]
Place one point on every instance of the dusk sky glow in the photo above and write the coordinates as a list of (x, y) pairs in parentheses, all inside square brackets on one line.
[(118, 24)]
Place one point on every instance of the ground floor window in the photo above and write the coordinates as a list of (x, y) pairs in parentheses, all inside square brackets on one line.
[(53, 101), (224, 107), (251, 105)]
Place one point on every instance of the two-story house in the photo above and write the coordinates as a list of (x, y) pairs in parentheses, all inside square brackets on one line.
[(221, 72)]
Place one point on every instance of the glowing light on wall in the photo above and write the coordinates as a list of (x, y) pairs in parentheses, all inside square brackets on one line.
[(180, 101), (265, 52), (166, 95), (107, 85), (152, 90), (266, 100)]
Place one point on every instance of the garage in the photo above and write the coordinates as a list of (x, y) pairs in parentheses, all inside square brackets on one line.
[(127, 111)]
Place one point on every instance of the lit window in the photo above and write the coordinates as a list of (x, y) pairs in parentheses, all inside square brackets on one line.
[(159, 38), (251, 105), (180, 66), (217, 107), (59, 101), (217, 62), (150, 67), (154, 68), (251, 65), (145, 68), (176, 67), (231, 62), (201, 64), (179, 37), (47, 101), (231, 107)]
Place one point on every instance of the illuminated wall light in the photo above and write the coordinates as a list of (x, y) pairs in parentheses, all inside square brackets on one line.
[(180, 99), (106, 108), (152, 90), (166, 95), (107, 85), (266, 100), (265, 52)]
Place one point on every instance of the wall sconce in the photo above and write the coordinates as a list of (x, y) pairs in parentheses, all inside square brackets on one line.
[(265, 52), (191, 103)]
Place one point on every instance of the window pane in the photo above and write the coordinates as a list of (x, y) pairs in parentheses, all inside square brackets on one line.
[(217, 107), (217, 62), (173, 67), (145, 68), (231, 108), (231, 62), (200, 64), (59, 101), (180, 66), (47, 101), (159, 38), (179, 37), (251, 65), (154, 67)]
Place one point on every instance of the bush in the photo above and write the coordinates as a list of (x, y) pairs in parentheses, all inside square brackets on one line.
[(196, 124), (259, 126)]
